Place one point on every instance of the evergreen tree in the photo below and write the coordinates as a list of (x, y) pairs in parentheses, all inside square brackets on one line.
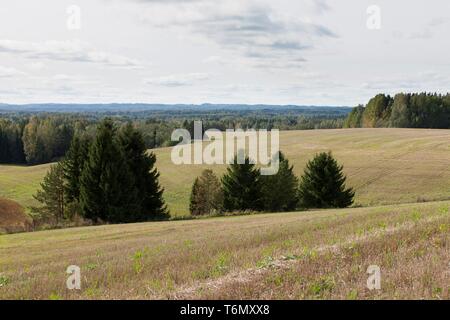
[(196, 202), (51, 195), (73, 164), (107, 188), (206, 195), (242, 186), (323, 184), (5, 157), (280, 190), (141, 164)]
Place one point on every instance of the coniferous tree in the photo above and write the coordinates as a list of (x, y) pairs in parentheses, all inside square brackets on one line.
[(280, 190), (196, 202), (206, 195), (149, 203), (51, 195), (242, 186), (73, 164), (323, 184), (107, 188)]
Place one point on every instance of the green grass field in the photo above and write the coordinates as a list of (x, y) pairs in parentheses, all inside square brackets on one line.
[(385, 166), (313, 255)]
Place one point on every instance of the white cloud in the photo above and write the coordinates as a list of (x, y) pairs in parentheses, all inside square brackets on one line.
[(70, 50), (413, 82), (7, 72), (178, 80)]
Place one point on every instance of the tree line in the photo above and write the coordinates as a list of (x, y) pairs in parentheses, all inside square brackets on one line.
[(44, 138), (243, 188), (37, 139), (108, 178), (404, 110)]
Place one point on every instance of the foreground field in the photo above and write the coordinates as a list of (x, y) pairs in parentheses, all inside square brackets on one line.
[(385, 166), (317, 254)]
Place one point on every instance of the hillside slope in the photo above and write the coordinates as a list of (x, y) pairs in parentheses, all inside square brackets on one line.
[(385, 166), (297, 255)]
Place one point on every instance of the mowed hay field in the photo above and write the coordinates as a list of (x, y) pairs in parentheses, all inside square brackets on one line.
[(385, 166), (302, 255)]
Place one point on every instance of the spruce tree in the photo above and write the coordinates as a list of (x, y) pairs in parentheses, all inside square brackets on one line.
[(206, 195), (51, 195), (107, 188), (73, 164), (323, 184), (141, 165), (280, 190), (196, 203), (242, 186)]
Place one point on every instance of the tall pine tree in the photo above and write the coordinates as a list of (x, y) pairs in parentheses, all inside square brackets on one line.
[(107, 190), (51, 195), (323, 184), (206, 195), (242, 186), (280, 190), (141, 165), (73, 163)]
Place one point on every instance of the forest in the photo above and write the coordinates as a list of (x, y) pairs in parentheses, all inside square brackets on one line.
[(36, 137), (404, 110), (37, 134)]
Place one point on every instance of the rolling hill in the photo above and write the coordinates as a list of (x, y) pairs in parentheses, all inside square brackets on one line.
[(322, 254), (385, 166)]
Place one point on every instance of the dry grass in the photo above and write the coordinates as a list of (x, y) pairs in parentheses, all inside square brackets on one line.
[(385, 166), (328, 251), (13, 217)]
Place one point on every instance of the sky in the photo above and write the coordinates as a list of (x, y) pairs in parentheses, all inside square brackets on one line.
[(303, 52)]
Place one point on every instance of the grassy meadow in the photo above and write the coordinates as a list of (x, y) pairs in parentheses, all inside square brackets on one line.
[(314, 255), (385, 166)]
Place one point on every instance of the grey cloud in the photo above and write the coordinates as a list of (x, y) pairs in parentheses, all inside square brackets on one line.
[(320, 6), (72, 51), (257, 34), (253, 31)]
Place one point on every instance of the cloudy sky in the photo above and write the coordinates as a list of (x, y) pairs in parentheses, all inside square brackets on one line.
[(313, 52)]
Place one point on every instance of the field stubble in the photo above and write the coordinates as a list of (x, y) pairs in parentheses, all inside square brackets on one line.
[(328, 253)]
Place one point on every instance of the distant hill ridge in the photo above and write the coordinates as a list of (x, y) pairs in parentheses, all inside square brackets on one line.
[(136, 107)]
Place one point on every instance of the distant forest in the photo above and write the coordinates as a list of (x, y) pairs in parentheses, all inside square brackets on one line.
[(36, 134), (404, 110)]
